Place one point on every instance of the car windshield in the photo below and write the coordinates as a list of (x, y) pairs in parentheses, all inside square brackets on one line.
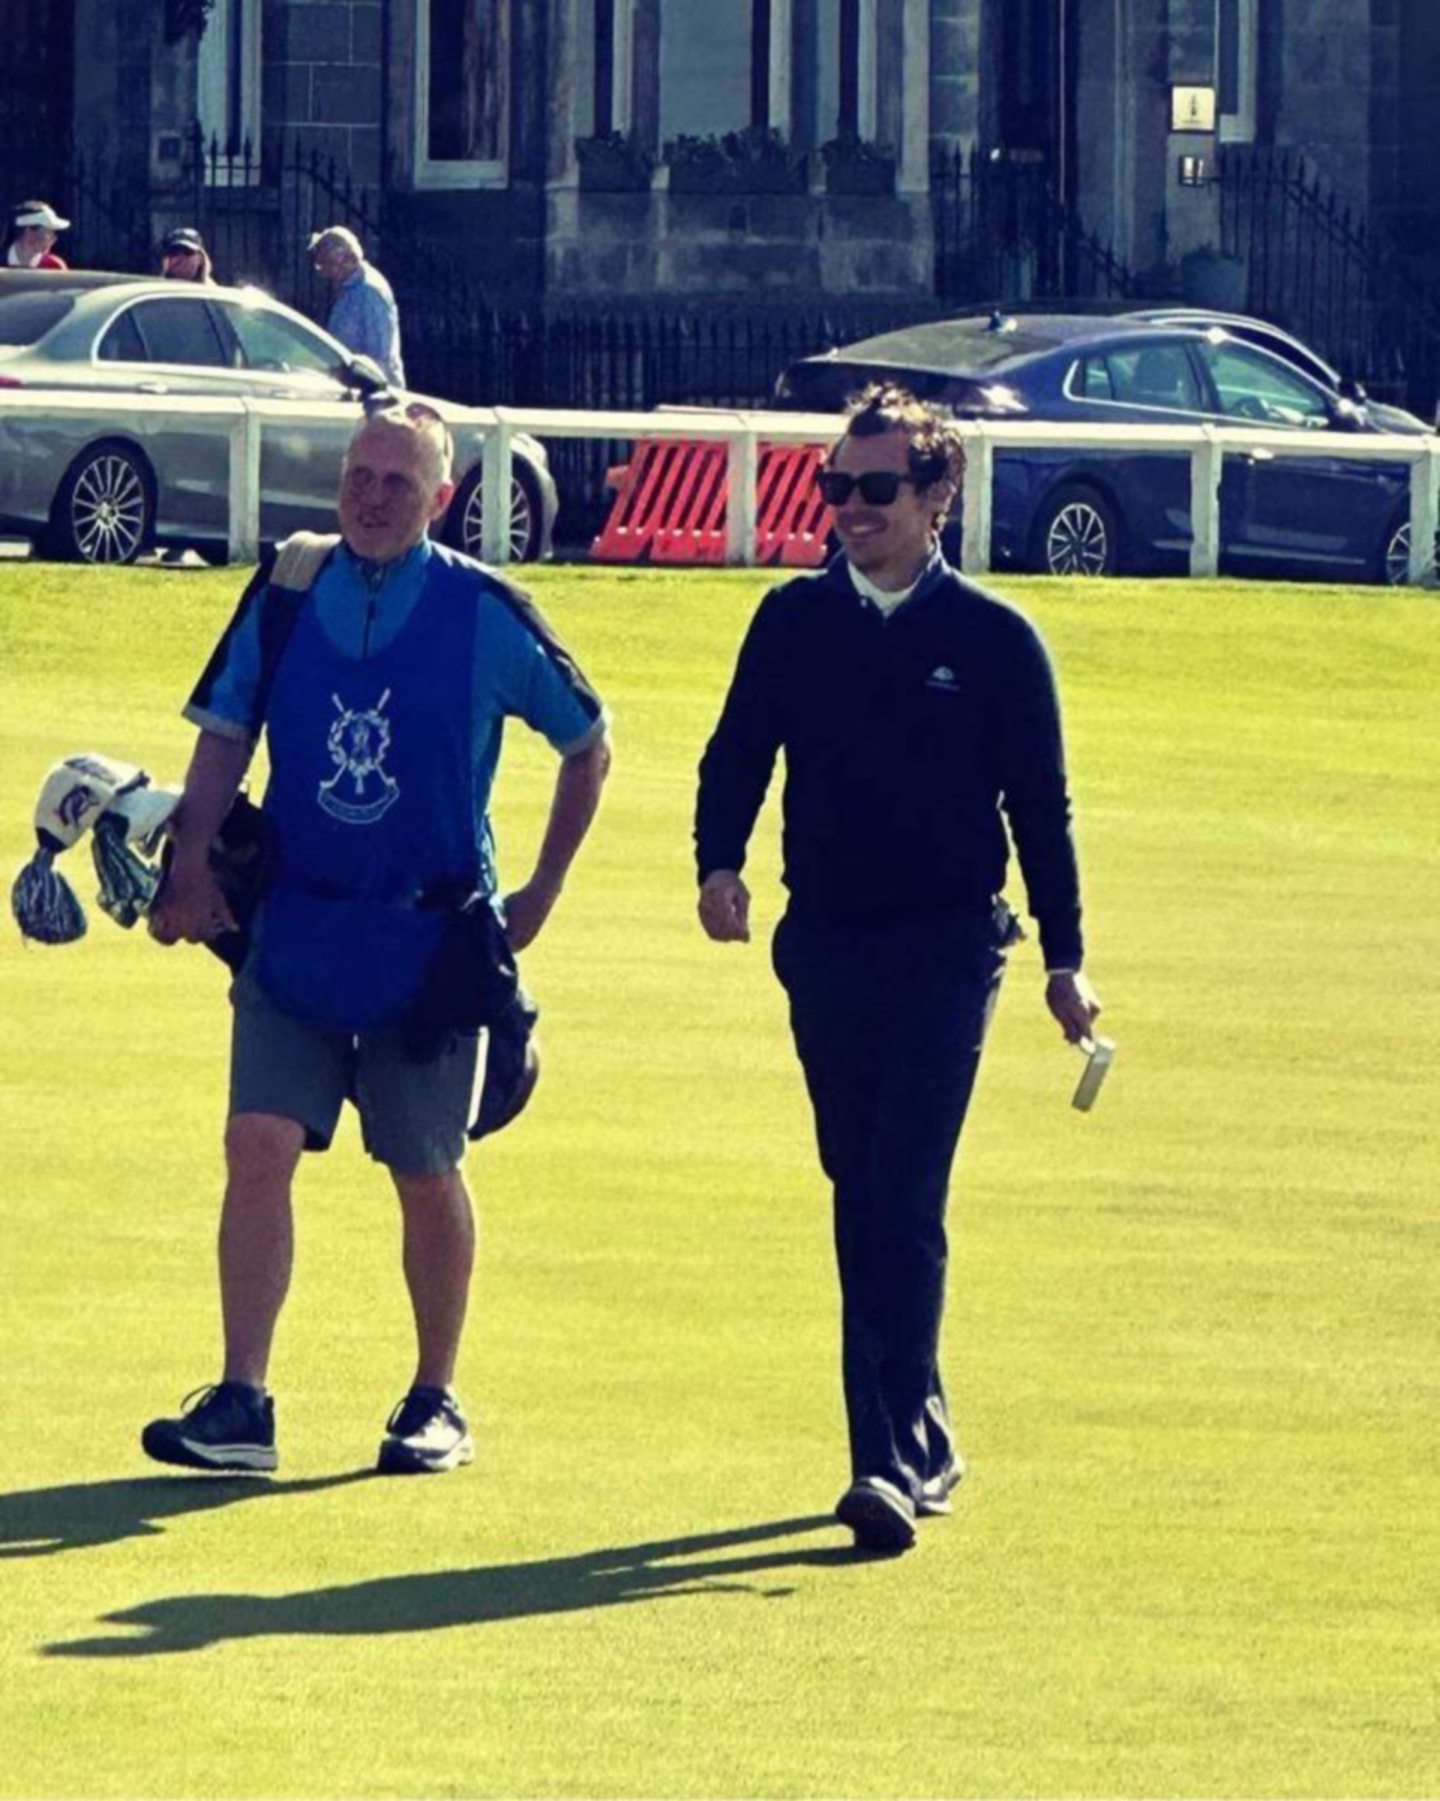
[(25, 318)]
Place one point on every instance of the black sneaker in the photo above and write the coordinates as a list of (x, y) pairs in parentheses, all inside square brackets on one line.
[(936, 1492), (426, 1433), (881, 1516), (229, 1426)]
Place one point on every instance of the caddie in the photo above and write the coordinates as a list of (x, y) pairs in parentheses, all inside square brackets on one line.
[(382, 687)]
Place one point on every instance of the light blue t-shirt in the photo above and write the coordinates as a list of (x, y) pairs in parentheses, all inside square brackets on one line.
[(364, 317)]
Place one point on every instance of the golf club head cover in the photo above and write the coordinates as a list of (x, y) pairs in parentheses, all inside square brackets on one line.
[(44, 904), (85, 791)]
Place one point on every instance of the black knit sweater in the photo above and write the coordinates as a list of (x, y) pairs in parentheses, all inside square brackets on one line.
[(904, 737)]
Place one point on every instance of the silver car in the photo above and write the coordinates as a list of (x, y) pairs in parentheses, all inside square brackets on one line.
[(104, 486)]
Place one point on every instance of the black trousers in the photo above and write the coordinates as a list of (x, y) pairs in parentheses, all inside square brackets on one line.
[(888, 1022)]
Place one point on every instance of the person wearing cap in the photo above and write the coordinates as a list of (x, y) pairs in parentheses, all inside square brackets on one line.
[(918, 717), (29, 243), (383, 703), (183, 256), (363, 315)]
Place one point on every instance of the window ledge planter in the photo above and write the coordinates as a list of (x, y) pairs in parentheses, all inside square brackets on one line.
[(855, 166), (741, 162), (614, 163)]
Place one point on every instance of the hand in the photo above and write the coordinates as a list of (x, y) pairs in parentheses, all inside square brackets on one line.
[(725, 907), (526, 911), (1074, 1003), (190, 906)]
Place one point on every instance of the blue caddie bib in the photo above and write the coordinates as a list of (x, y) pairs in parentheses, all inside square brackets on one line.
[(371, 806)]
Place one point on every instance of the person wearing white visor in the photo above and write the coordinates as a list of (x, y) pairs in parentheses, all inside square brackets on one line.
[(30, 241)]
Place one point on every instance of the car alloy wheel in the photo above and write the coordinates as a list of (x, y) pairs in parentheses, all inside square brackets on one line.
[(1397, 557), (465, 529), (1078, 538), (105, 507)]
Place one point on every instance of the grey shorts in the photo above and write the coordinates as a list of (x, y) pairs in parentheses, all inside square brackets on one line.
[(413, 1116)]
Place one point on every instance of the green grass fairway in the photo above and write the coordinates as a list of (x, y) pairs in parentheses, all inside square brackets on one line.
[(1191, 1338)]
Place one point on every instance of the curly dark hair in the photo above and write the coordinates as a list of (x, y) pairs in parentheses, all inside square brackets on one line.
[(937, 451)]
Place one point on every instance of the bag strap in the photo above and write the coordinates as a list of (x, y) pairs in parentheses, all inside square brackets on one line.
[(297, 564), (301, 558)]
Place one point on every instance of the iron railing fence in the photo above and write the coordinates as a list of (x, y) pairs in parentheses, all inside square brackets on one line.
[(1312, 265), (1002, 231)]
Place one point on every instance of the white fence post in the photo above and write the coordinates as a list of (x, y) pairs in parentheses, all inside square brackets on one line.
[(1206, 464), (1424, 515), (976, 510), (496, 476), (742, 470), (244, 524)]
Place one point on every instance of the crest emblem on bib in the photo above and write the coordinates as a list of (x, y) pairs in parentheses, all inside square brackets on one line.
[(360, 791)]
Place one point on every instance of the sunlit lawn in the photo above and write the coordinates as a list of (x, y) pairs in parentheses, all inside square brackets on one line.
[(1191, 1336)]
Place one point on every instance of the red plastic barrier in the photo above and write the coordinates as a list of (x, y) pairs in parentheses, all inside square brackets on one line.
[(670, 504), (692, 526), (792, 521)]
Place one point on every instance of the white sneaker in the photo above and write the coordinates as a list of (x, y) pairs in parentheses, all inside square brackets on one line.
[(935, 1494)]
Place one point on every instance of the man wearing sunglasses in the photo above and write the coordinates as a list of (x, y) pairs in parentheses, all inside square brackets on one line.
[(918, 716), (382, 682)]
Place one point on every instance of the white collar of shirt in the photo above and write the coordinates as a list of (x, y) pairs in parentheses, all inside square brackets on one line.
[(16, 261), (886, 599)]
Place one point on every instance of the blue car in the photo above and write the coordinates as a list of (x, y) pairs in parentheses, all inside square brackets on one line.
[(1069, 512)]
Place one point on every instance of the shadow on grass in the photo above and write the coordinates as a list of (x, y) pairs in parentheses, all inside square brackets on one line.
[(40, 1521), (703, 1564)]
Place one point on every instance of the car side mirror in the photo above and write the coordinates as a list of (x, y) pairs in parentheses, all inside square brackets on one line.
[(1347, 415), (364, 373), (1350, 389)]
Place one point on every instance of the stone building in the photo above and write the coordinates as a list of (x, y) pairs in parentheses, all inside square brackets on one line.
[(601, 148)]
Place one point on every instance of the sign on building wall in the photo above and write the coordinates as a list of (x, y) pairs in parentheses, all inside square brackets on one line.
[(1192, 109)]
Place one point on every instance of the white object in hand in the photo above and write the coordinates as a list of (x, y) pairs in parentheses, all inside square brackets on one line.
[(1099, 1055)]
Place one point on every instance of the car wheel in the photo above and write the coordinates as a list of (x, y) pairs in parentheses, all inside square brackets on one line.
[(1076, 534), (464, 523), (105, 510), (1396, 562)]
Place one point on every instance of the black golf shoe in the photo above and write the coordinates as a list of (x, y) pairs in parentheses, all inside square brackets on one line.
[(881, 1516), (228, 1427)]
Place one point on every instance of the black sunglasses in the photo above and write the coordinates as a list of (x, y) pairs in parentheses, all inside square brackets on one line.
[(878, 487)]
